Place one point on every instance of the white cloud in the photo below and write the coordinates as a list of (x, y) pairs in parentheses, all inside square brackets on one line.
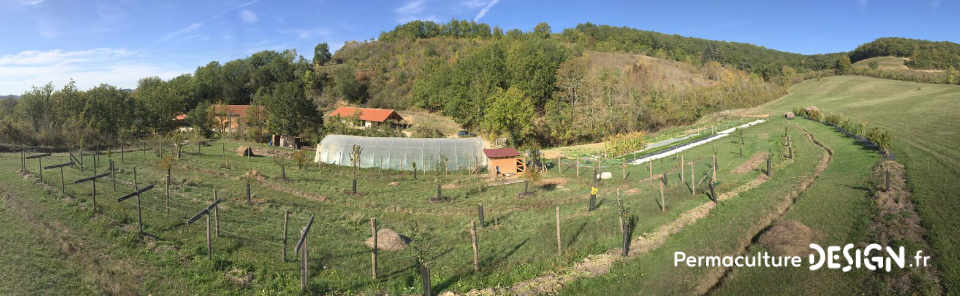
[(190, 28), (474, 4), (485, 9), (309, 33), (120, 67), (412, 7), (31, 2), (247, 16), (413, 10)]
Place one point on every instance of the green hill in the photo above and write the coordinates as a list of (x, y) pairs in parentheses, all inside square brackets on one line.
[(921, 119)]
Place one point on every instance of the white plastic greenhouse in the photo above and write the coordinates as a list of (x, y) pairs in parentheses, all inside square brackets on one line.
[(401, 153)]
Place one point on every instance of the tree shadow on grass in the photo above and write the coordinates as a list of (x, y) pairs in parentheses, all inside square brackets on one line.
[(484, 264), (576, 234)]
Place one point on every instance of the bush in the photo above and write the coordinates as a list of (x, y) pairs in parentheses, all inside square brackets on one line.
[(426, 132), (624, 143), (833, 120), (881, 138)]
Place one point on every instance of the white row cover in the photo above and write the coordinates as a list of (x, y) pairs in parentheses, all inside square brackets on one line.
[(401, 153)]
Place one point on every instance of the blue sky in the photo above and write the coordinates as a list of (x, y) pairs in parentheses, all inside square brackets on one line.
[(120, 41)]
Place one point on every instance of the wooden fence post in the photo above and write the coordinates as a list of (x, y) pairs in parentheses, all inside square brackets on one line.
[(286, 216), (166, 195), (559, 242), (693, 179), (94, 188), (480, 214), (651, 168), (681, 169), (620, 209), (63, 186), (476, 246), (216, 213), (769, 173), (425, 278), (113, 176), (663, 205), (209, 245), (40, 168), (136, 189), (713, 194), (578, 167), (373, 251), (249, 201)]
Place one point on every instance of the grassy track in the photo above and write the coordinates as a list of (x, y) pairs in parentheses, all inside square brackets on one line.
[(837, 208), (923, 121), (721, 232), (32, 266)]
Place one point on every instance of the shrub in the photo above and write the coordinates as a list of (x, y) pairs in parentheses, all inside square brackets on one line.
[(833, 120), (881, 138), (426, 132), (624, 143)]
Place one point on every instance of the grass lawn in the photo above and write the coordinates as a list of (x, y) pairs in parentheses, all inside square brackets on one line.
[(837, 208), (723, 231), (518, 242), (923, 122)]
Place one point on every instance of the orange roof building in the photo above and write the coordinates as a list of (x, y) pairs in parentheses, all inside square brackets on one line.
[(504, 162), (232, 116), (369, 116)]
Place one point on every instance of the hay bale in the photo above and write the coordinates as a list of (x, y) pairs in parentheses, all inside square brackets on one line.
[(789, 115), (388, 240), (245, 151), (812, 108), (787, 238)]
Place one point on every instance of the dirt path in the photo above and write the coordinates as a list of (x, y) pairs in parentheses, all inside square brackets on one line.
[(714, 277), (750, 164), (113, 276), (599, 264), (897, 221)]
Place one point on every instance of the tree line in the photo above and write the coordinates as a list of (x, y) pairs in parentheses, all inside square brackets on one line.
[(921, 54), (535, 88)]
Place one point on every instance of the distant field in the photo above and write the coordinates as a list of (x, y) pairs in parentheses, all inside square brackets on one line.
[(884, 63), (926, 135)]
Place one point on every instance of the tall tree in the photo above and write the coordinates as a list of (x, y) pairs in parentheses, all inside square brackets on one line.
[(321, 54), (289, 111), (542, 30), (510, 113)]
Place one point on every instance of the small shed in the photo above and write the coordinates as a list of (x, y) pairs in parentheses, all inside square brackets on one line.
[(504, 162)]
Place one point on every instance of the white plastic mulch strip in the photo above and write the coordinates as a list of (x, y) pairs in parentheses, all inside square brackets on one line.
[(719, 135)]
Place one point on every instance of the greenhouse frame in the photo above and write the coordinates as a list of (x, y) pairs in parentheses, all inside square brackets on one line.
[(402, 153)]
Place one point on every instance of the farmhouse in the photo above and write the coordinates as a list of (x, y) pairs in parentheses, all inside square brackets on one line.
[(367, 117), (504, 162), (232, 117), (403, 153)]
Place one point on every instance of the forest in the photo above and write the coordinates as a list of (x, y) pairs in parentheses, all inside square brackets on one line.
[(536, 88)]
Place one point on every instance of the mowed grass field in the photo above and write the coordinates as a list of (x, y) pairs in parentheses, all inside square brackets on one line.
[(925, 126), (517, 243)]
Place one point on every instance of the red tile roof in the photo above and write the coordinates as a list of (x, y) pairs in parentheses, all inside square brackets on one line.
[(501, 153), (234, 110), (367, 114)]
